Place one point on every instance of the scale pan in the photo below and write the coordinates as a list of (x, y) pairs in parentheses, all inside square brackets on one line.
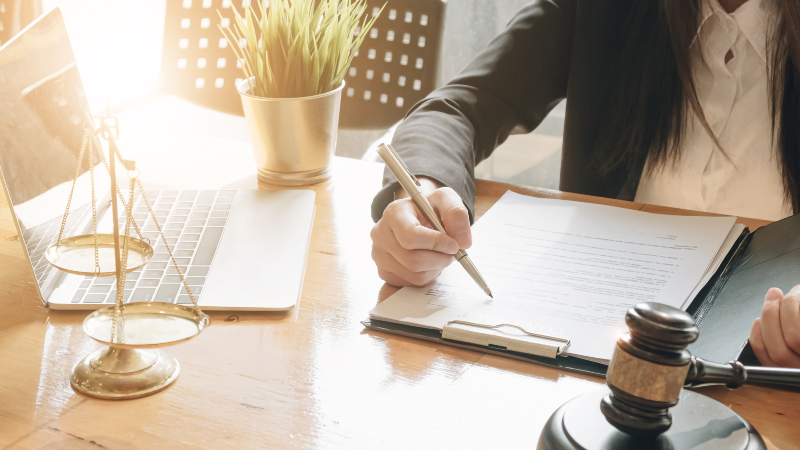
[(147, 324), (76, 254)]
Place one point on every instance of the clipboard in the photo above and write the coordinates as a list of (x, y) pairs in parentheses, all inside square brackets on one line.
[(522, 350), (724, 309)]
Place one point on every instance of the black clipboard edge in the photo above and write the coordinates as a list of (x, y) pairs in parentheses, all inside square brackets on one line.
[(569, 363)]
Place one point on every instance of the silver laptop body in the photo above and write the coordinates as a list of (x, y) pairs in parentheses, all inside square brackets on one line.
[(238, 249)]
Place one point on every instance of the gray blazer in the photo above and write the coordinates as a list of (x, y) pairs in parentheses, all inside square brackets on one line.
[(551, 50)]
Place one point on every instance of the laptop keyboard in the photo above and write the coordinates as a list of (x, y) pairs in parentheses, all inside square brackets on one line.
[(39, 238), (192, 222)]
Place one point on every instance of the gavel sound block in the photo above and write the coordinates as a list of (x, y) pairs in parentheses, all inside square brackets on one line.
[(644, 406)]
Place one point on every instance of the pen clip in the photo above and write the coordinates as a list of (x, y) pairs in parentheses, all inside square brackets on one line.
[(402, 163)]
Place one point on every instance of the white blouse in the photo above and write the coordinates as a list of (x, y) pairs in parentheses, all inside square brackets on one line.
[(735, 101)]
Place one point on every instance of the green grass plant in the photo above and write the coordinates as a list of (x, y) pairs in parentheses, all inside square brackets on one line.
[(297, 48)]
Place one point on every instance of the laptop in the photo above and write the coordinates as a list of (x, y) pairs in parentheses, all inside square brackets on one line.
[(238, 249)]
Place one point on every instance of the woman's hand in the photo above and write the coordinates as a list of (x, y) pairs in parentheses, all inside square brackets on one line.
[(775, 337), (407, 251)]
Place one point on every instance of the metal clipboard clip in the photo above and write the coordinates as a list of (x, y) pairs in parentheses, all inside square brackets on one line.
[(514, 343)]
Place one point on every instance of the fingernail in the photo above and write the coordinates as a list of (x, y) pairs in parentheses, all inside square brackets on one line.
[(773, 294)]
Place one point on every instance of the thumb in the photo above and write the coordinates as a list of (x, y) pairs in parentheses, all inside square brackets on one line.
[(453, 214)]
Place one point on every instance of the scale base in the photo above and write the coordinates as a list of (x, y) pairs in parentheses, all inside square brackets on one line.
[(113, 373), (698, 422)]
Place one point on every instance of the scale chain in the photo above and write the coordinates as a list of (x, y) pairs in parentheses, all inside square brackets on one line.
[(119, 193), (74, 180), (118, 307), (94, 211), (172, 257)]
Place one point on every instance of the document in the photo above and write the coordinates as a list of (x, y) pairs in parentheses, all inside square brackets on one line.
[(567, 269)]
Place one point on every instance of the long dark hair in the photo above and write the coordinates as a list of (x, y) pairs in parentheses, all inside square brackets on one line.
[(653, 90)]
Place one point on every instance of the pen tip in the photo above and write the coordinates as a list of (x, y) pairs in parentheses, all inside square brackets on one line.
[(488, 292)]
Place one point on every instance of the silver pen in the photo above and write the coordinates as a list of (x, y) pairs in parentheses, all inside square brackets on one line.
[(411, 185)]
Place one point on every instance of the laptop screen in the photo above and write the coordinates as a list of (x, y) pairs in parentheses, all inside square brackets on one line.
[(44, 109)]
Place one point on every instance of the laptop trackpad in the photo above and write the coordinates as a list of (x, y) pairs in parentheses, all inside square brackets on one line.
[(260, 262)]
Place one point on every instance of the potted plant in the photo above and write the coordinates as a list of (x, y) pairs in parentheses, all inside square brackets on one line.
[(295, 54)]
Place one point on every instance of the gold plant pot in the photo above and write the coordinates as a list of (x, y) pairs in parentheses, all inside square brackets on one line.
[(294, 139)]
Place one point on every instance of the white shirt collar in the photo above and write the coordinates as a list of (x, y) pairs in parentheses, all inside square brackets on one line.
[(751, 18)]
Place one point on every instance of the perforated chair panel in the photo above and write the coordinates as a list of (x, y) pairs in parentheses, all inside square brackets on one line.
[(395, 67), (196, 63)]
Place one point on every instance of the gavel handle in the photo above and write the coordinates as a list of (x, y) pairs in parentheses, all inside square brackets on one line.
[(735, 374)]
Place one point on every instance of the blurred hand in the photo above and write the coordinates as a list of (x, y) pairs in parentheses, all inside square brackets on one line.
[(775, 336), (407, 249)]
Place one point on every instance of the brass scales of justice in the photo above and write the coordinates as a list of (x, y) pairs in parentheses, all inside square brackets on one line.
[(132, 365)]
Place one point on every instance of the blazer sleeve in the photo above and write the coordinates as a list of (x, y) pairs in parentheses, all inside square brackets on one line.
[(513, 83)]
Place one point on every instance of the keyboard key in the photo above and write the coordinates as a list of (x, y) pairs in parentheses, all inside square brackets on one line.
[(181, 212), (128, 285), (206, 197), (222, 207), (187, 245), (224, 199), (112, 297), (174, 226), (156, 266), (202, 208), (160, 257), (208, 246), (190, 238), (198, 271), (134, 275), (180, 219), (184, 253), (172, 279), (199, 216), (144, 210), (196, 223), (188, 195), (195, 281), (100, 289), (219, 213), (149, 282), (94, 298), (85, 283), (172, 233), (167, 293), (193, 230), (185, 299), (183, 262), (216, 222), (143, 295), (184, 205), (172, 271), (78, 295), (105, 280), (153, 273), (196, 290)]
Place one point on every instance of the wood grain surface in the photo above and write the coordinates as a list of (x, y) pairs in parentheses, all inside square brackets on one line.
[(311, 378)]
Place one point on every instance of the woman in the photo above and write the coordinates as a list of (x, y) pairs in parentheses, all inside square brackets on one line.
[(687, 103)]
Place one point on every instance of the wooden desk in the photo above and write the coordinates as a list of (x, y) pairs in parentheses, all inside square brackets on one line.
[(311, 378)]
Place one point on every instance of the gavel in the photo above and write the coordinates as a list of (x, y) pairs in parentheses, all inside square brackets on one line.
[(650, 365)]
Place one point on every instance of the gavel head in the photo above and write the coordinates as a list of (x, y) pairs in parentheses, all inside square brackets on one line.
[(648, 369)]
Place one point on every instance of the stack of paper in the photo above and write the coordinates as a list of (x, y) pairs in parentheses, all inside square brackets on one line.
[(571, 270)]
